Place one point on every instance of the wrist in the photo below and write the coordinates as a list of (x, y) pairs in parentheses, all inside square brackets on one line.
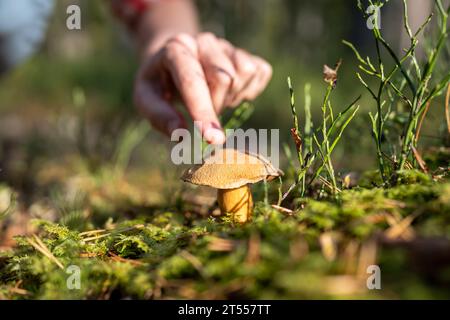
[(150, 46), (165, 19)]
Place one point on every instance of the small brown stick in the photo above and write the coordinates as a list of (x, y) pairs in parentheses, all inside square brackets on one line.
[(115, 257), (420, 160), (16, 289), (96, 237), (288, 191), (419, 127), (401, 227), (283, 209), (89, 254), (447, 110), (329, 185), (20, 291), (85, 233), (42, 248)]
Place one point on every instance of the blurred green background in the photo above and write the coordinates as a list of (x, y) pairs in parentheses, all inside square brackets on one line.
[(40, 121)]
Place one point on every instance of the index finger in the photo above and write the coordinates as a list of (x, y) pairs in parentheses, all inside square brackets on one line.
[(181, 60)]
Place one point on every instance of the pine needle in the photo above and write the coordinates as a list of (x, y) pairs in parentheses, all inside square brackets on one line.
[(42, 248)]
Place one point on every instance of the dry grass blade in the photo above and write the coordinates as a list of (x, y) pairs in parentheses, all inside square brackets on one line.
[(391, 203), (376, 218), (96, 237), (420, 160), (89, 254), (220, 244), (419, 126), (88, 233), (20, 291), (329, 185), (402, 227), (42, 248), (282, 209)]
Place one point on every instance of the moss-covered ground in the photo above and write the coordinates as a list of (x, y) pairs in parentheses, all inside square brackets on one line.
[(314, 247)]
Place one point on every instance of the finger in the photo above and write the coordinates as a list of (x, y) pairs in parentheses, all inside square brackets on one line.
[(161, 114), (267, 72), (258, 82), (218, 68), (181, 60), (246, 70), (260, 79)]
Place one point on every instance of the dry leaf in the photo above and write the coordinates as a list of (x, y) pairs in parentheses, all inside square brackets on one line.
[(330, 75), (298, 141)]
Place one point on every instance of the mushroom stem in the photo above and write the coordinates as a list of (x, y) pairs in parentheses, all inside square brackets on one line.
[(238, 202)]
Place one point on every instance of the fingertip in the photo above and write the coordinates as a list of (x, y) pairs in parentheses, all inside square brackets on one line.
[(214, 135)]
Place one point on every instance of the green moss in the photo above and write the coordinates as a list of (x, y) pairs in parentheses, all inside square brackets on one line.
[(162, 253)]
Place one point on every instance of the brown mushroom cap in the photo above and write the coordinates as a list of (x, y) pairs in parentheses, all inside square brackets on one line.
[(231, 168)]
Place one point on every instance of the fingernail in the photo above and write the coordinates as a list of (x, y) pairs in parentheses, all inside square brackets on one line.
[(214, 136)]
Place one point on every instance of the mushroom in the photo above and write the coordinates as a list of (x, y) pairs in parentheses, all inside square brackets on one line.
[(232, 172)]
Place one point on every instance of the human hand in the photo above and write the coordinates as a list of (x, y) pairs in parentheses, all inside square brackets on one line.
[(207, 73)]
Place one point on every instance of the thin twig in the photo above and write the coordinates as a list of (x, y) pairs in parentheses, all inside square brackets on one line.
[(419, 159), (283, 209), (85, 233), (118, 258), (42, 248), (419, 126)]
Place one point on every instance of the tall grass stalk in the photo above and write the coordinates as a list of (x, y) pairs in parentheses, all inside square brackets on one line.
[(319, 144), (416, 88)]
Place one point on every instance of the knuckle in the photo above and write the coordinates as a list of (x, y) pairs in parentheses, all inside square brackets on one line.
[(207, 36), (172, 49), (267, 68), (180, 42), (222, 78), (248, 67), (181, 38)]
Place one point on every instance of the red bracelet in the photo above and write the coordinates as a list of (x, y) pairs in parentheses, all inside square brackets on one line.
[(129, 11)]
